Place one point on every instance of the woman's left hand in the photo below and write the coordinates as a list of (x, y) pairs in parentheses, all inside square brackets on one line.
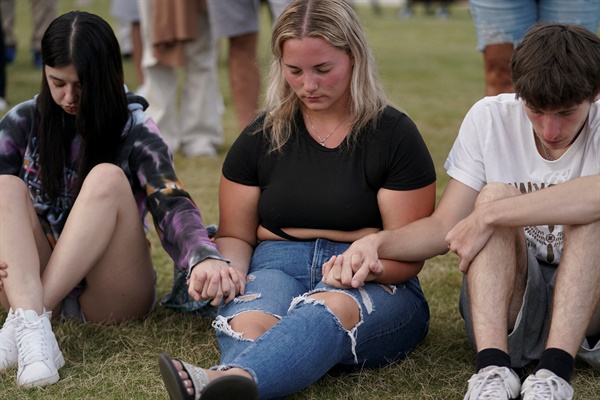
[(216, 280)]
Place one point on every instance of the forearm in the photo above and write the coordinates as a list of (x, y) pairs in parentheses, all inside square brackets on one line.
[(397, 271), (416, 242), (576, 202), (237, 251)]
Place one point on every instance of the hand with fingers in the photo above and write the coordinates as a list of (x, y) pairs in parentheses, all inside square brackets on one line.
[(359, 264), (467, 238), (216, 280)]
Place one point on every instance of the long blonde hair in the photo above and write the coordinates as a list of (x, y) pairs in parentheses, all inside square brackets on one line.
[(336, 22)]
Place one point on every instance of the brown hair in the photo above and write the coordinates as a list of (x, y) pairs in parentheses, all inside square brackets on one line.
[(557, 66)]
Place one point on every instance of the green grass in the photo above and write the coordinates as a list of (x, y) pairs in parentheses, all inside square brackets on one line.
[(431, 69)]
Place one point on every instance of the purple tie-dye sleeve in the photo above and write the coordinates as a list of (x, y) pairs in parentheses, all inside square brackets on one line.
[(14, 133), (176, 217)]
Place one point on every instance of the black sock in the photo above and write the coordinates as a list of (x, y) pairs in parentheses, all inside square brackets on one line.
[(488, 357), (558, 361)]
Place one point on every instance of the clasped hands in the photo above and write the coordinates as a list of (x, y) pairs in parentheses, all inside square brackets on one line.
[(216, 280), (358, 264)]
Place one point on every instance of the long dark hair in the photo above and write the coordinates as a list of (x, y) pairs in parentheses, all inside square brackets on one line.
[(88, 43)]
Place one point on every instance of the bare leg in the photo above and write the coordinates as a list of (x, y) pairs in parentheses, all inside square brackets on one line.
[(575, 306), (23, 246), (136, 41), (244, 76), (496, 65), (496, 279), (103, 241)]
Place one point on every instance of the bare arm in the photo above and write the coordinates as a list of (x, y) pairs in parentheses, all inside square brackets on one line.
[(398, 208), (416, 241), (236, 236), (238, 222), (576, 202)]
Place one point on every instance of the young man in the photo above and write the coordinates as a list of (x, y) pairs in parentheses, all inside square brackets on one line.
[(522, 211)]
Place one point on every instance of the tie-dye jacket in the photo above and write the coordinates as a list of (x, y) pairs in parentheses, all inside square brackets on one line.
[(147, 163)]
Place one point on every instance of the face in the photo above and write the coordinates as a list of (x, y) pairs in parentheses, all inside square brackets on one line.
[(318, 73), (558, 128), (64, 87)]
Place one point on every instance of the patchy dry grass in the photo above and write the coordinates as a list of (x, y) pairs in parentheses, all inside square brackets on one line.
[(432, 70)]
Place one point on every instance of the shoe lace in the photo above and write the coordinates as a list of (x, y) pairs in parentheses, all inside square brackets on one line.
[(489, 385), (31, 342), (543, 388)]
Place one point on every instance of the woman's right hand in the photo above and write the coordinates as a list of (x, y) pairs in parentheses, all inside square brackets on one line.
[(355, 266), (216, 280)]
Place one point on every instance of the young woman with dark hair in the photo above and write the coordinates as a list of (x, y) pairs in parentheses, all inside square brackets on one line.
[(81, 165)]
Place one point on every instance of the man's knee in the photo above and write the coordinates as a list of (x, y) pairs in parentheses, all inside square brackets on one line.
[(496, 191)]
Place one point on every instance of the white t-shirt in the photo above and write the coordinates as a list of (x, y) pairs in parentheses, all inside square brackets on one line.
[(496, 144)]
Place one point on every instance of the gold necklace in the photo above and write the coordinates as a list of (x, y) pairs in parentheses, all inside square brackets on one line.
[(321, 140), (548, 157)]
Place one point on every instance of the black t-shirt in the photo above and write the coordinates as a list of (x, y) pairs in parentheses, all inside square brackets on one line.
[(311, 186)]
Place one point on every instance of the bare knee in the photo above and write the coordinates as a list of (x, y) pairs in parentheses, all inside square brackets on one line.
[(342, 305), (252, 324), (104, 180), (496, 191), (15, 199), (11, 187)]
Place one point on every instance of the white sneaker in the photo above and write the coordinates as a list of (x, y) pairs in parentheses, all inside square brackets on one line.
[(494, 383), (8, 342), (39, 355), (546, 385)]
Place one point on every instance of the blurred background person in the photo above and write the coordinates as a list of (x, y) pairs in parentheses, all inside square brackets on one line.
[(502, 24), (127, 14), (42, 13), (238, 21), (176, 34)]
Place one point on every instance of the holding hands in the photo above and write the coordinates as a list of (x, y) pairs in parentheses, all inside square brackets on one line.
[(358, 264), (216, 280)]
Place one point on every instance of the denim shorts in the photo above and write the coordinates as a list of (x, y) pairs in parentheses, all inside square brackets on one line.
[(507, 21), (527, 340), (238, 17)]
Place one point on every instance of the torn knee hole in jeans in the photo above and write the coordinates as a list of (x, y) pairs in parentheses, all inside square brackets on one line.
[(391, 289), (222, 324), (316, 302), (247, 297)]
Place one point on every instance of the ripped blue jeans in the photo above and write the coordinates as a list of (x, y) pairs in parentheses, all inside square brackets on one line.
[(309, 340)]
